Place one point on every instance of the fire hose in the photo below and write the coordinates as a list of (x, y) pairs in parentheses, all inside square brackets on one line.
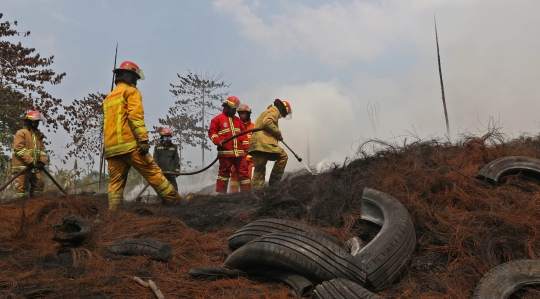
[(207, 167)]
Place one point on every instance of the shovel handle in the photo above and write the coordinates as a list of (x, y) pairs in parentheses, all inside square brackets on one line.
[(297, 158)]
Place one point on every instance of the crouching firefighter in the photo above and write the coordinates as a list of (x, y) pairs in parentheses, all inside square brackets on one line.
[(126, 139), (29, 151), (232, 153)]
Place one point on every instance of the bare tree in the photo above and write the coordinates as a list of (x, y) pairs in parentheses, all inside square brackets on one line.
[(200, 98), (23, 76), (85, 122)]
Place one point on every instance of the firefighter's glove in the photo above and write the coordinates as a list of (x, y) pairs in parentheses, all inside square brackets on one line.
[(220, 143), (144, 148), (40, 165), (31, 166), (280, 138)]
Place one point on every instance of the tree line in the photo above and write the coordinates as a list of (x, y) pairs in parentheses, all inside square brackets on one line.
[(25, 76)]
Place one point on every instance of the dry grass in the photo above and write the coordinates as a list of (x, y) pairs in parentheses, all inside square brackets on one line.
[(464, 227)]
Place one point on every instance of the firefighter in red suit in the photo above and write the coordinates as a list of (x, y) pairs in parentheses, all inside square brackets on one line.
[(231, 153)]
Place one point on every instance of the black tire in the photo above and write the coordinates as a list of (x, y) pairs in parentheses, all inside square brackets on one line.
[(78, 228), (503, 280), (152, 248), (492, 172), (340, 288), (386, 258), (212, 273), (262, 227), (303, 253), (301, 286)]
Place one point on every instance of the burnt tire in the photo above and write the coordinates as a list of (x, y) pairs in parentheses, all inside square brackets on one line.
[(503, 280), (302, 253), (263, 227), (300, 286), (340, 288), (78, 230), (151, 248), (386, 258), (494, 170)]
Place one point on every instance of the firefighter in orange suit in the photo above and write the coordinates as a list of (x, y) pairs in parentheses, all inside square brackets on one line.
[(126, 139), (232, 153), (29, 151), (263, 146), (244, 112)]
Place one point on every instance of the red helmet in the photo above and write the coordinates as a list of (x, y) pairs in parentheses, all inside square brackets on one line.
[(131, 66), (165, 131), (232, 101), (243, 108), (32, 115)]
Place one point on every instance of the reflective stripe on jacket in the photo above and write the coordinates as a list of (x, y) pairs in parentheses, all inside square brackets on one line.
[(123, 120), (223, 127), (266, 140), (28, 148), (166, 157)]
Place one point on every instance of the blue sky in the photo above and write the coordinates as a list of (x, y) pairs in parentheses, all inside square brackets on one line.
[(329, 59)]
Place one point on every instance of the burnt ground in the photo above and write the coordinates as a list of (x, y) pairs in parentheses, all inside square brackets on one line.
[(464, 227)]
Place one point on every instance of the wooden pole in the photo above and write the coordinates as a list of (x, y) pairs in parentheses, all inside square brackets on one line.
[(101, 156), (442, 85)]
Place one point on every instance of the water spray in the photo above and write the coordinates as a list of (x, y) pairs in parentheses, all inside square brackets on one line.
[(297, 158)]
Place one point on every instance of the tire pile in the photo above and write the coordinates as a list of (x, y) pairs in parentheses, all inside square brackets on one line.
[(336, 266)]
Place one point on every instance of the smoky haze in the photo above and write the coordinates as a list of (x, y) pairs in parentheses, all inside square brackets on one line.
[(329, 59)]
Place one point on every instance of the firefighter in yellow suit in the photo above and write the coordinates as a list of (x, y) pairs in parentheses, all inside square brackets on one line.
[(29, 151), (126, 139)]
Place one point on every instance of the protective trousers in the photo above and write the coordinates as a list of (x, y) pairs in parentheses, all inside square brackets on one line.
[(234, 184), (172, 179), (119, 167), (259, 162), (30, 183), (224, 173)]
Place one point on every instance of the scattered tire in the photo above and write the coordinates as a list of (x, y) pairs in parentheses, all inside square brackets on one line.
[(78, 230), (152, 248), (212, 273), (263, 227), (494, 170), (340, 288), (386, 258), (503, 280), (306, 254), (300, 286)]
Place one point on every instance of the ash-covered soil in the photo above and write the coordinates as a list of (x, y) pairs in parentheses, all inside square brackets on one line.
[(464, 227)]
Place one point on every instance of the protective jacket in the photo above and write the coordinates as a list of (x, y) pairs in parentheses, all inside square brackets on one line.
[(223, 127), (123, 125), (167, 158), (28, 148), (266, 140)]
